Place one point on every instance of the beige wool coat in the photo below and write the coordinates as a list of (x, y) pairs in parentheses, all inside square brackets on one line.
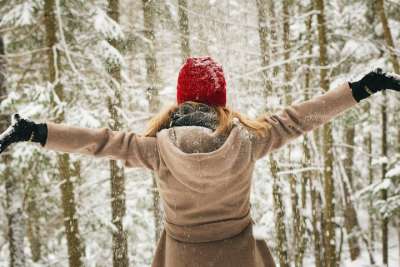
[(204, 182)]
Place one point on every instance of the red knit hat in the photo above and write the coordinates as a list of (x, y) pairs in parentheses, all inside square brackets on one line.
[(201, 80)]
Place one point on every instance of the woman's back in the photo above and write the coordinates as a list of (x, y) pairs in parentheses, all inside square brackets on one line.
[(204, 181)]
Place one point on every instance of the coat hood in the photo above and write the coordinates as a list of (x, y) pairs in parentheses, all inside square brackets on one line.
[(200, 159)]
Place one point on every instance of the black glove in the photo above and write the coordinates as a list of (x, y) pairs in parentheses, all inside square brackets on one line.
[(23, 130), (373, 82)]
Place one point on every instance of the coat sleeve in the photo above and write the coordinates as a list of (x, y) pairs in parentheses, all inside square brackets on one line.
[(299, 118), (134, 150)]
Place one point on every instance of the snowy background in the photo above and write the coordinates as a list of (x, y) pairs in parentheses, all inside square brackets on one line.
[(231, 32)]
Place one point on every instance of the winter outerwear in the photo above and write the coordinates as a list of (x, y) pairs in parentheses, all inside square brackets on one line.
[(201, 80), (205, 191), (373, 82), (195, 114), (23, 130)]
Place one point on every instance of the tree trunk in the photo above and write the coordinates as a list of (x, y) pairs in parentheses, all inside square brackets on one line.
[(13, 187), (265, 7), (317, 230), (118, 210), (33, 229), (15, 217), (350, 214), (74, 242), (385, 220), (307, 159), (370, 17), (117, 173), (280, 227), (264, 48), (273, 28), (286, 46), (153, 81), (184, 29), (297, 225), (371, 221), (279, 211), (398, 235), (329, 209), (380, 5)]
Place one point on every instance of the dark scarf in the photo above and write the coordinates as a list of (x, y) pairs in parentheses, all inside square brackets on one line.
[(195, 114)]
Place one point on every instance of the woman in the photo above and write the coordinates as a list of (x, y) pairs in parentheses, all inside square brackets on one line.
[(204, 155)]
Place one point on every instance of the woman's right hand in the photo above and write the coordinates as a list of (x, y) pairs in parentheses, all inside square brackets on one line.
[(373, 82), (23, 130)]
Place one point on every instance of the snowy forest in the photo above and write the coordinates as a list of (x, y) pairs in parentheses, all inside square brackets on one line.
[(330, 198)]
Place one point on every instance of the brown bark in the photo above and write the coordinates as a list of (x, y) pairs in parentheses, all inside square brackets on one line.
[(398, 234), (279, 210), (15, 218), (264, 47), (74, 242), (371, 221), (369, 239), (273, 27), (184, 29), (329, 209), (152, 75), (350, 214), (307, 159), (33, 227), (380, 5), (370, 17), (117, 173), (384, 148), (280, 227), (286, 46), (118, 210), (316, 214), (14, 208), (153, 81), (298, 220)]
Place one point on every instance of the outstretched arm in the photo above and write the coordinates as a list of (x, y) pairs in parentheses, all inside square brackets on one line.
[(303, 117), (134, 150), (300, 118)]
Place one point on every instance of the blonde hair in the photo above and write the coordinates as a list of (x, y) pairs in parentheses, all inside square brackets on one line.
[(225, 121)]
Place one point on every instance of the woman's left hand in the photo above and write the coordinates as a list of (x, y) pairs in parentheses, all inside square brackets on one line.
[(373, 82)]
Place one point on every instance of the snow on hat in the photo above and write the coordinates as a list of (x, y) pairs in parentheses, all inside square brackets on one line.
[(201, 80)]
